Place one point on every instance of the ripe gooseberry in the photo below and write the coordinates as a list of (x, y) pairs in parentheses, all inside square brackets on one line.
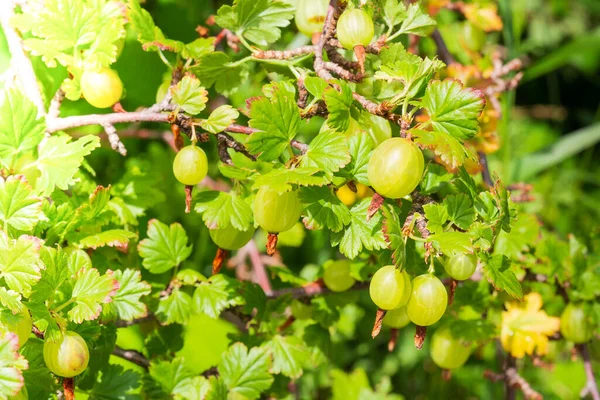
[(355, 28), (19, 324), (395, 168), (337, 276), (68, 356), (461, 266), (276, 212), (101, 88), (230, 238), (190, 165), (389, 288), (396, 318), (428, 300), (447, 351), (575, 324), (310, 15)]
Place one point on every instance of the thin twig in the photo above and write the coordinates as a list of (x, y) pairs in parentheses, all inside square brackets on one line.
[(283, 54), (131, 355), (114, 140), (591, 387), (55, 103), (76, 121), (328, 29), (225, 141), (442, 49), (311, 290), (485, 169), (19, 60), (259, 268)]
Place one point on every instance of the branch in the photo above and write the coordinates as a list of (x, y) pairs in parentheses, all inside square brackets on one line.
[(591, 387), (60, 124), (443, 51), (310, 290), (283, 54), (328, 30), (512, 381), (131, 355), (485, 169), (225, 141), (19, 59), (113, 139), (259, 268)]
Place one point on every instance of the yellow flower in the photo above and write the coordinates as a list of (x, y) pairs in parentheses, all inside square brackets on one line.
[(525, 327)]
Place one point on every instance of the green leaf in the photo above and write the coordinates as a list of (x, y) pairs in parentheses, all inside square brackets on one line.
[(278, 119), (112, 238), (193, 388), (215, 69), (72, 32), (20, 264), (361, 146), (392, 232), (56, 272), (20, 210), (523, 235), (12, 364), (199, 48), (256, 20), (175, 308), (315, 85), (189, 95), (245, 372), (283, 179), (166, 247), (115, 383), (360, 232), (447, 147), (417, 22), (394, 12), (127, 300), (338, 104), (498, 272), (90, 290), (148, 34), (11, 300), (290, 355), (452, 108), (215, 295), (460, 210), (323, 209), (450, 243), (222, 209), (220, 119), (20, 128), (436, 215), (482, 236), (170, 374), (59, 158), (352, 386), (328, 151), (501, 196), (41, 384)]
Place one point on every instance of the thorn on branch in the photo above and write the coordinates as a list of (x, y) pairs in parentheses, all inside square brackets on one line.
[(113, 139)]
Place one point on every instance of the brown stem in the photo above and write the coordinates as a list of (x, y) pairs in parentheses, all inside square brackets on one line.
[(282, 54), (310, 290), (218, 261), (378, 321), (188, 198), (512, 381), (246, 130), (60, 124), (328, 30), (359, 52), (271, 243), (485, 169), (442, 49), (226, 141), (453, 285), (420, 333), (393, 339), (591, 386), (259, 268), (286, 324), (69, 388), (131, 355)]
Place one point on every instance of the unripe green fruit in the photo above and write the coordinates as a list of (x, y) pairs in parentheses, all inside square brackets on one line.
[(461, 266), (389, 288), (101, 88), (276, 212), (190, 165), (310, 15), (575, 325), (337, 276), (19, 324), (67, 357), (428, 300), (355, 28), (396, 318), (395, 168), (447, 351), (230, 238)]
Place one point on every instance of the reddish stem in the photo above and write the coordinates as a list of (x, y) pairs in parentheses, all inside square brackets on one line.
[(69, 388)]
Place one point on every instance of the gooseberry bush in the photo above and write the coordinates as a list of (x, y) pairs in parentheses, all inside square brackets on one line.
[(291, 204)]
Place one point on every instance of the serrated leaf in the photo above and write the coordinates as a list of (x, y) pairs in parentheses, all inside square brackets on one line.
[(256, 20), (392, 232), (193, 388), (214, 69), (360, 146), (112, 238), (436, 215), (452, 108), (127, 299), (169, 374), (165, 248), (450, 243), (338, 104), (278, 119), (175, 308), (360, 232), (223, 209), (148, 34), (11, 300), (91, 290), (115, 383), (460, 210), (482, 236), (59, 158), (220, 119), (283, 180), (315, 85), (189, 95), (20, 128), (394, 12), (215, 295), (56, 272), (417, 22), (199, 48), (245, 372), (12, 364), (20, 210), (452, 153), (501, 196), (328, 151), (290, 355), (323, 209), (498, 272), (20, 264)]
